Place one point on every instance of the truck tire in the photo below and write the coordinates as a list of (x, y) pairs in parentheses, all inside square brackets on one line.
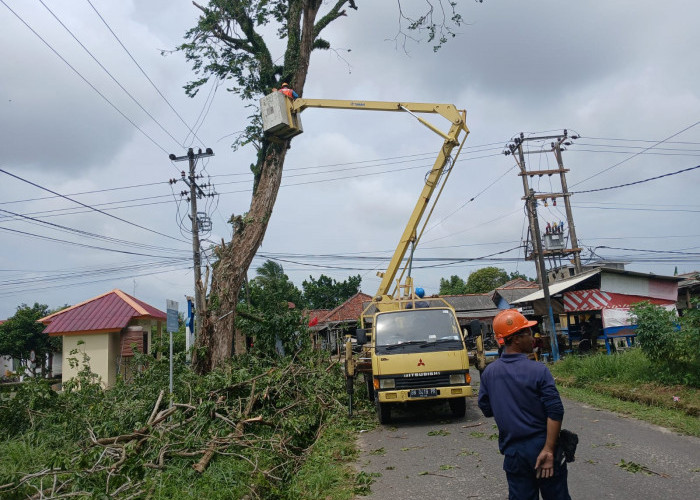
[(458, 407), (370, 387), (383, 412)]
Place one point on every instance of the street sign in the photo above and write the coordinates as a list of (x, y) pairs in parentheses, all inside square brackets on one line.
[(172, 312)]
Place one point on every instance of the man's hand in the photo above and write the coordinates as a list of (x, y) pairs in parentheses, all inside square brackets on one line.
[(545, 464)]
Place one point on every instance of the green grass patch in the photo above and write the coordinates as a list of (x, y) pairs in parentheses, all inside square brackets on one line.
[(627, 383), (672, 419)]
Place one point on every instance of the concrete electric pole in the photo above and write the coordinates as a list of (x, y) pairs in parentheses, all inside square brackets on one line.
[(195, 192)]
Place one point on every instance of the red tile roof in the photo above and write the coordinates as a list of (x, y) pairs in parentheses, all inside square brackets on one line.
[(110, 311), (350, 310)]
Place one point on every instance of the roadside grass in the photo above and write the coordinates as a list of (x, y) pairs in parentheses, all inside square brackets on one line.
[(329, 472), (626, 383)]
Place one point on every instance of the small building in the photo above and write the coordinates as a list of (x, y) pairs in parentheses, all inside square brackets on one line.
[(329, 327), (105, 328), (470, 307), (688, 291), (597, 302), (505, 295)]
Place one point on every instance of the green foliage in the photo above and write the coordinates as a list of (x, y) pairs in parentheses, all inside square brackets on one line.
[(486, 279), (272, 318), (327, 293), (454, 286), (21, 334), (277, 430), (673, 347)]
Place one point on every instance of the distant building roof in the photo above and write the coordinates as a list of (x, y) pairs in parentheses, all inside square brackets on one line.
[(350, 310), (470, 302), (518, 283), (108, 312)]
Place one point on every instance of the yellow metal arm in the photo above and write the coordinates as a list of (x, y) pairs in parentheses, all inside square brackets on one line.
[(448, 111), (281, 119)]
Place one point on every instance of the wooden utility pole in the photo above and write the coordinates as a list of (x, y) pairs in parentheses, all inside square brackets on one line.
[(195, 192), (537, 242)]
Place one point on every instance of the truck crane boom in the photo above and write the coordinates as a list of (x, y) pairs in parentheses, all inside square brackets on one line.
[(283, 121), (420, 352)]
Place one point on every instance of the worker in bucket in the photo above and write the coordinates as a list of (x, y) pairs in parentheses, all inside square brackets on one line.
[(288, 91), (520, 394)]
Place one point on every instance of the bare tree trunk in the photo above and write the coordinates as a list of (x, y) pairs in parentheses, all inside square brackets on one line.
[(215, 343), (234, 259)]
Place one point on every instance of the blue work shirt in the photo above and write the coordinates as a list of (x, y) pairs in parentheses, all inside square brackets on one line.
[(520, 394)]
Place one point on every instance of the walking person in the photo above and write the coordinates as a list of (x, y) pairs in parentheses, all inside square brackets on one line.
[(520, 394)]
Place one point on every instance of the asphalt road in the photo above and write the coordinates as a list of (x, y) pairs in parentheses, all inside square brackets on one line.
[(425, 454)]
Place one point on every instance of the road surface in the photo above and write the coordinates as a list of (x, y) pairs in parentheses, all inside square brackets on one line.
[(425, 454)]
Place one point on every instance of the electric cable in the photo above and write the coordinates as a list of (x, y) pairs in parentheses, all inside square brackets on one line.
[(114, 79), (85, 79), (637, 182), (636, 154), (88, 206), (144, 73)]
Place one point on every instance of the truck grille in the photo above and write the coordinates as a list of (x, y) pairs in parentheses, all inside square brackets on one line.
[(416, 382)]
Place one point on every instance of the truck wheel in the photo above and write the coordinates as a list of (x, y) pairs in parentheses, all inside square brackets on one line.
[(458, 407), (383, 412), (370, 387)]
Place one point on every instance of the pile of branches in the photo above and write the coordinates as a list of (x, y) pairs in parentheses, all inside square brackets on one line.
[(267, 423)]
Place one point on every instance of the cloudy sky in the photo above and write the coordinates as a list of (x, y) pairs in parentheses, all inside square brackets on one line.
[(87, 126)]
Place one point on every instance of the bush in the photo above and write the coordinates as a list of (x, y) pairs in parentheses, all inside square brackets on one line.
[(672, 346)]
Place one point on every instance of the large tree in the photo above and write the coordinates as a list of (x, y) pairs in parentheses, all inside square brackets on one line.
[(327, 293), (454, 286), (228, 43), (486, 279), (21, 335)]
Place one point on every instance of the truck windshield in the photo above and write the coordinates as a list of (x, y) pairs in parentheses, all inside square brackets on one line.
[(417, 329)]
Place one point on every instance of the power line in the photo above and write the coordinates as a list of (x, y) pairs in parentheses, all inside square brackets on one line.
[(87, 233), (143, 72), (83, 245), (638, 182), (88, 206), (636, 154), (110, 74), (84, 79)]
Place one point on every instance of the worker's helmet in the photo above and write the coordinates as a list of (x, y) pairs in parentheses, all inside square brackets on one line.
[(509, 322), (285, 85), (420, 292)]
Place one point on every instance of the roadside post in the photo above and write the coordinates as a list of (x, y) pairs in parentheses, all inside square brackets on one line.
[(172, 326)]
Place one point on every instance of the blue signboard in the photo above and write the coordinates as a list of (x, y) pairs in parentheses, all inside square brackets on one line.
[(172, 313)]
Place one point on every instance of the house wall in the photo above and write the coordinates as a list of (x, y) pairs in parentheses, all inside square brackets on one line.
[(102, 349), (634, 285)]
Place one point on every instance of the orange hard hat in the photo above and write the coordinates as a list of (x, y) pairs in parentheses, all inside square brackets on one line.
[(509, 322), (285, 85)]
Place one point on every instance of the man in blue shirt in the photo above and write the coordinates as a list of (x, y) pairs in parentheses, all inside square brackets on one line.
[(521, 396)]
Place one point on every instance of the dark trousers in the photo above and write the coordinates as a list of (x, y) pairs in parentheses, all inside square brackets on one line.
[(519, 464)]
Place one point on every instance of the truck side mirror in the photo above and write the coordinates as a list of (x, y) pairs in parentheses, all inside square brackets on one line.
[(476, 327), (361, 335)]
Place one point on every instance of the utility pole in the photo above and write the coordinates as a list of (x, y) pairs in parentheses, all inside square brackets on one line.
[(555, 247), (567, 204), (195, 192), (537, 241)]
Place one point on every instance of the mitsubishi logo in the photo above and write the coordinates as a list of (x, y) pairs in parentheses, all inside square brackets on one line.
[(420, 362)]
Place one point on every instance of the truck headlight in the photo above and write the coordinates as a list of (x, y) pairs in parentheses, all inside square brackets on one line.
[(457, 379), (387, 383)]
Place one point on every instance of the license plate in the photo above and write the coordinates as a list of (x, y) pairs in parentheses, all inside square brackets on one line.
[(422, 393)]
